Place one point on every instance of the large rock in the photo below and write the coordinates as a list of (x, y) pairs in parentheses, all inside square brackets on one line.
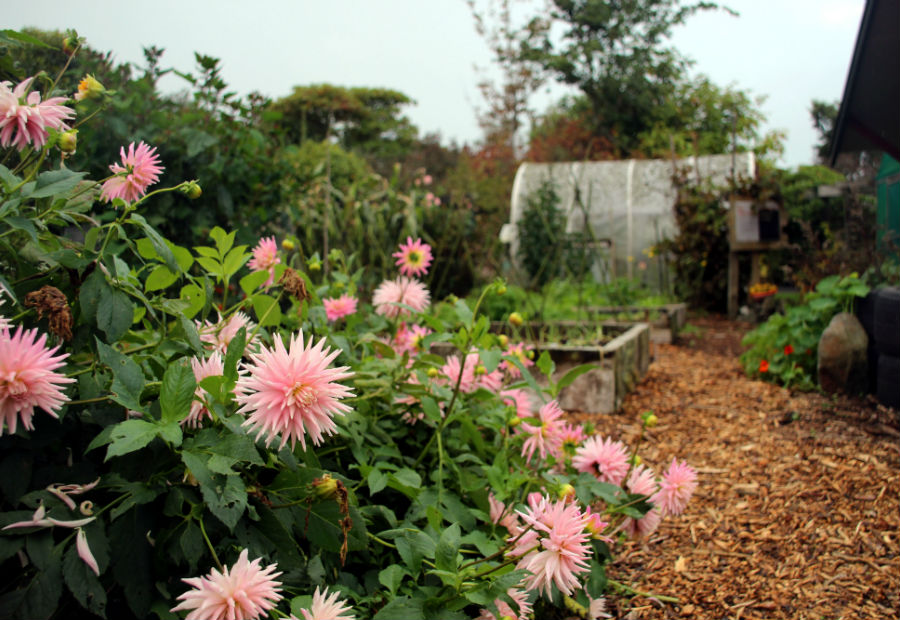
[(843, 363)]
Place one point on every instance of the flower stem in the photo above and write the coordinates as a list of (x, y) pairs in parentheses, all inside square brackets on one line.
[(209, 544), (622, 588)]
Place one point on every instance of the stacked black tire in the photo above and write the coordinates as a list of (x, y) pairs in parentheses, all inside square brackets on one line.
[(879, 314)]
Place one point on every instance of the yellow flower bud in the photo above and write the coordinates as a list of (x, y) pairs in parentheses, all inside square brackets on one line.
[(480, 370), (432, 373), (651, 421), (516, 319), (325, 487), (193, 190), (566, 491), (503, 339), (501, 289), (89, 88), (287, 245)]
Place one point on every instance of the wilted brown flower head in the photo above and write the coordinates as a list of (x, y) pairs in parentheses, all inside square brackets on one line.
[(50, 300)]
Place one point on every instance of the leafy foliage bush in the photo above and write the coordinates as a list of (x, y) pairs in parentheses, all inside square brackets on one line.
[(783, 349), (393, 507)]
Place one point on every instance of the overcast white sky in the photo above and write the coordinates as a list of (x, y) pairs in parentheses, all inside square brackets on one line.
[(791, 51)]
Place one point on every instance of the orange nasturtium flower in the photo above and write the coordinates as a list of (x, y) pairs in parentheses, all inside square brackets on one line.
[(763, 366), (788, 349)]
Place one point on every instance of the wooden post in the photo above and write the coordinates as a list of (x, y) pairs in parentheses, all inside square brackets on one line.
[(733, 280)]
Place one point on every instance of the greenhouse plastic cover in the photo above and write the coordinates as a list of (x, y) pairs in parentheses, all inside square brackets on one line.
[(629, 205)]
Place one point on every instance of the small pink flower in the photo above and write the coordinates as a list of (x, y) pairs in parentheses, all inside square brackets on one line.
[(426, 180), (560, 550), (84, 551), (292, 391), (406, 291), (520, 352), (519, 597), (265, 257), (24, 119), (339, 307), (546, 437), (500, 515), (217, 336), (596, 525), (676, 488), (642, 482), (242, 593), (139, 170), (413, 258), (409, 339), (606, 459), (28, 378), (327, 607), (474, 374), (519, 399), (210, 367), (571, 436)]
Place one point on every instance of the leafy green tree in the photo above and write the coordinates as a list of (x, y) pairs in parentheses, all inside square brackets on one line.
[(366, 120), (615, 53)]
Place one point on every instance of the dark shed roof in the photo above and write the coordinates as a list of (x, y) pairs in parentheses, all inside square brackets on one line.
[(869, 117)]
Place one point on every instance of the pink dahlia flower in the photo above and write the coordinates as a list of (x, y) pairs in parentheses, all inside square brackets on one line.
[(520, 352), (217, 336), (519, 597), (327, 607), (560, 551), (676, 488), (407, 291), (544, 438), (409, 339), (242, 593), (211, 367), (265, 257), (571, 436), (605, 458), (413, 258), (339, 307), (642, 482), (24, 119), (293, 391), (28, 378), (519, 399), (139, 170)]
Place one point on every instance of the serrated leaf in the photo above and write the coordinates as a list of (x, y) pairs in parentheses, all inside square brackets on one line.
[(56, 182), (573, 374), (545, 364), (266, 309), (160, 277), (83, 583), (128, 379), (234, 260), (391, 577), (177, 391), (445, 554), (115, 313), (253, 281), (159, 243), (195, 296), (129, 436)]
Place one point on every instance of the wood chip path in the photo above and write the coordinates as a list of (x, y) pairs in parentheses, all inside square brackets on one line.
[(798, 510)]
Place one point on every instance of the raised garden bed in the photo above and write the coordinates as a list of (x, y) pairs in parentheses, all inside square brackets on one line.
[(621, 352), (665, 321)]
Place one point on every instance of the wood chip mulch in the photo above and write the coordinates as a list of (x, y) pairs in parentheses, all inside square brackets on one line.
[(797, 514)]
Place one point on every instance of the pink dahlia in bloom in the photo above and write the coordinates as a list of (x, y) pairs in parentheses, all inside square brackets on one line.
[(595, 525), (339, 307), (571, 436), (413, 258), (519, 597), (265, 257), (217, 336), (642, 482), (28, 378), (292, 391), (544, 438), (407, 291), (676, 488), (605, 458), (562, 549), (25, 119), (327, 607), (211, 367), (520, 352), (500, 515), (519, 399), (244, 592), (139, 170)]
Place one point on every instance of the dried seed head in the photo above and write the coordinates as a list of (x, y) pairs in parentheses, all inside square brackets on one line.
[(50, 300)]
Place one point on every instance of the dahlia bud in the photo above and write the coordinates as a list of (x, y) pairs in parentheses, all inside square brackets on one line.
[(287, 245), (501, 289), (480, 370), (89, 88), (636, 459), (504, 340), (650, 419), (193, 190), (325, 487), (314, 264), (514, 421), (566, 491), (70, 44), (68, 141), (516, 319), (432, 373), (529, 354)]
